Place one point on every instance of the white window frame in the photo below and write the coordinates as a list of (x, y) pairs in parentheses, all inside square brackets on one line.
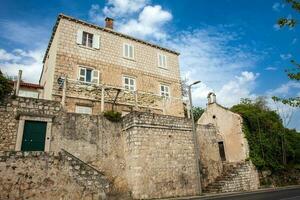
[(164, 93), (94, 79), (128, 86), (83, 110), (162, 63), (127, 46), (87, 39), (95, 39)]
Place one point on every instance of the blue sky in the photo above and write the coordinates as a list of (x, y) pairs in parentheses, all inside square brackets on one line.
[(233, 47)]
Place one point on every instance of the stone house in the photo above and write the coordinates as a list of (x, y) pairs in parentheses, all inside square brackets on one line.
[(224, 152), (92, 69), (31, 90)]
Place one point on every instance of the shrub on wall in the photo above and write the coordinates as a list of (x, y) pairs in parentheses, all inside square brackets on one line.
[(272, 146), (5, 87), (113, 116)]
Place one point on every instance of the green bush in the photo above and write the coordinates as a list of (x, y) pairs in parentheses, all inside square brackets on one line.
[(113, 116), (265, 133), (5, 87)]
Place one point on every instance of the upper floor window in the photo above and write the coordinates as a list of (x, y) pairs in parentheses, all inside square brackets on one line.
[(129, 83), (164, 91), (162, 60), (88, 39), (88, 75), (128, 51)]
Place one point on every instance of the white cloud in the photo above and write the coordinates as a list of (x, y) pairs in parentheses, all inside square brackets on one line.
[(28, 61), (116, 8), (134, 17), (95, 14), (271, 68), (149, 23), (285, 56), (206, 55), (23, 33), (285, 89), (277, 6), (241, 87)]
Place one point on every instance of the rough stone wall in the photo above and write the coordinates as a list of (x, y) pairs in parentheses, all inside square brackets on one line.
[(244, 178), (40, 175), (95, 140), (13, 108), (149, 155), (92, 138), (160, 156), (211, 164), (229, 127), (109, 61)]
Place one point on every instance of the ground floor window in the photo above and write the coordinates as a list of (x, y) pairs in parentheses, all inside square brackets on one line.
[(84, 110)]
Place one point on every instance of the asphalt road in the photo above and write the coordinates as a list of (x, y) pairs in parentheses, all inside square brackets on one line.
[(274, 194)]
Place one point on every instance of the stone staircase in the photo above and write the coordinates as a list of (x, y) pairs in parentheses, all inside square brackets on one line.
[(235, 177), (86, 175)]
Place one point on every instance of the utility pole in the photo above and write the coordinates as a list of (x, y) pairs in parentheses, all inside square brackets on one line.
[(195, 139)]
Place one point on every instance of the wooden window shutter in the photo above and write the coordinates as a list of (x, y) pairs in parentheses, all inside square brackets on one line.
[(79, 36), (96, 42)]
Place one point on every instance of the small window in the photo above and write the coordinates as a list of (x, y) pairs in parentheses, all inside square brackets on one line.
[(84, 110), (162, 61), (87, 39), (164, 91), (128, 51), (129, 83), (88, 75)]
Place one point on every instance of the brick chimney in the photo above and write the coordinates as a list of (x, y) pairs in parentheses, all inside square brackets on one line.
[(109, 23)]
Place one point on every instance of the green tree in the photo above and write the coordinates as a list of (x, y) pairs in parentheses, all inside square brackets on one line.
[(264, 131), (5, 87), (197, 112), (294, 71)]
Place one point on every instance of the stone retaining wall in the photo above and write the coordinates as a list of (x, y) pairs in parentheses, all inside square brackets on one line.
[(160, 156), (41, 175)]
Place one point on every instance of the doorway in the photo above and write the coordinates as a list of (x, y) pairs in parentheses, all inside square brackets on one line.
[(222, 151), (34, 136)]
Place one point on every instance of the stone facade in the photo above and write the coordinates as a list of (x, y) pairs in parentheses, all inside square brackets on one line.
[(229, 127), (145, 156), (64, 57), (160, 155), (40, 175)]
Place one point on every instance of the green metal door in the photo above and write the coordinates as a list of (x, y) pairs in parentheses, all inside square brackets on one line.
[(34, 136)]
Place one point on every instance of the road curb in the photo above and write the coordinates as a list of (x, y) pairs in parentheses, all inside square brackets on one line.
[(232, 194)]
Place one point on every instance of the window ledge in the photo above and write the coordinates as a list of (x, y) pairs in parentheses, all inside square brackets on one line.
[(130, 59), (164, 68), (85, 47)]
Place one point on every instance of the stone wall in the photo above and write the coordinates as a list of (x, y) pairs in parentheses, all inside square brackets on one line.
[(229, 128), (146, 155), (111, 64), (12, 109), (41, 175), (211, 164), (160, 156)]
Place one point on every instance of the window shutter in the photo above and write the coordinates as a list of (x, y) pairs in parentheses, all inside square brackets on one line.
[(164, 61), (81, 74), (79, 36), (95, 76), (159, 60), (96, 41), (131, 51)]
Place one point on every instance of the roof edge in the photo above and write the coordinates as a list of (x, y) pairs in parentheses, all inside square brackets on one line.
[(63, 16)]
